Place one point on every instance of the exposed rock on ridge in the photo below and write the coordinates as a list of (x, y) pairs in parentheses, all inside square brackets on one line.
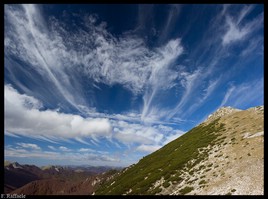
[(223, 111)]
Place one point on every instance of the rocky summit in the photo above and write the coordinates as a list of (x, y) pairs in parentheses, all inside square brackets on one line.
[(222, 112)]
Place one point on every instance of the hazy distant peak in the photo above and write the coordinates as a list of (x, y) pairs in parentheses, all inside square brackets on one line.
[(16, 165), (52, 167), (47, 167)]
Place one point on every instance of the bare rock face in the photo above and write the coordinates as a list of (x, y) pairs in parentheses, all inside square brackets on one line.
[(257, 109), (222, 112)]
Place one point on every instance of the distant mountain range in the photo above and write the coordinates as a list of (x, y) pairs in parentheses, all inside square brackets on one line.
[(224, 155), (32, 180)]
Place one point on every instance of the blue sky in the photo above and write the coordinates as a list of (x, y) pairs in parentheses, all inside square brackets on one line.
[(109, 84)]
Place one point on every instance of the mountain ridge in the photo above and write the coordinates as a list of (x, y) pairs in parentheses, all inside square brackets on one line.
[(43, 177), (223, 155)]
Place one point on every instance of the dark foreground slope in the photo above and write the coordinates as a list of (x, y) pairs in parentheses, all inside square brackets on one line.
[(16, 175), (32, 180), (85, 185), (223, 155)]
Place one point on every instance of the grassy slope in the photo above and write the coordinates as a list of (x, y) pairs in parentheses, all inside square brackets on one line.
[(167, 162)]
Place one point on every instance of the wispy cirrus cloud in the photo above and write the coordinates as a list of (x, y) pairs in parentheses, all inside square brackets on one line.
[(233, 33), (86, 150), (29, 146), (189, 81), (62, 65), (58, 56), (136, 133), (227, 95), (172, 18), (162, 78), (244, 94), (212, 85), (148, 148), (144, 17), (57, 53), (53, 125), (142, 135), (52, 148), (93, 53), (170, 135), (43, 44), (202, 82), (241, 96), (255, 46), (23, 153), (65, 149), (236, 31)]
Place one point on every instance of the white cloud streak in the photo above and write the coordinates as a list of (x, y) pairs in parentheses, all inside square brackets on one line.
[(173, 15), (242, 96), (29, 146), (22, 120), (48, 52), (233, 33), (92, 53), (11, 134), (58, 126), (140, 134), (207, 93), (63, 148), (236, 31), (33, 45), (189, 81), (66, 157), (86, 150), (162, 78), (95, 52), (172, 135), (192, 81), (136, 133), (255, 46), (227, 95), (148, 148), (60, 56), (248, 94), (52, 148)]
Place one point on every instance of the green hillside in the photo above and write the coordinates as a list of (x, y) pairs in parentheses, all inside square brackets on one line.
[(167, 163)]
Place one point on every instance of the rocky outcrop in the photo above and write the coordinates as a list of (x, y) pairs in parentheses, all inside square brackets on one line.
[(221, 112)]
